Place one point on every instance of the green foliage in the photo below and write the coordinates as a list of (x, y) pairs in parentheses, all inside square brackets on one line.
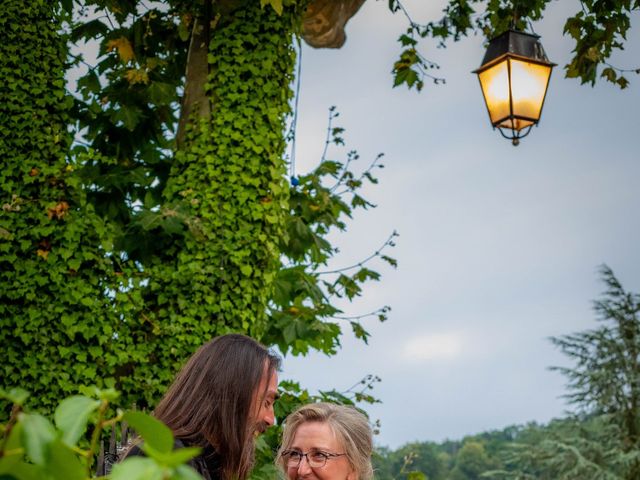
[(598, 29), (568, 449), (606, 377), (603, 384), (57, 320), (222, 208), (471, 462), (601, 443), (34, 448), (302, 314), (409, 462), (152, 251)]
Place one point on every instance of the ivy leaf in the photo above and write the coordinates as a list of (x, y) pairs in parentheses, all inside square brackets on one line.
[(276, 4)]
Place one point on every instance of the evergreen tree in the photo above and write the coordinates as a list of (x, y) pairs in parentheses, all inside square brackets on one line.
[(605, 379)]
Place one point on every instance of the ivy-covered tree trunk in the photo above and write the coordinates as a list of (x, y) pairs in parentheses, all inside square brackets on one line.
[(229, 182), (56, 320)]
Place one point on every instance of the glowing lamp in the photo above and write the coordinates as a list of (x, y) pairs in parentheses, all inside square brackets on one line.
[(514, 77)]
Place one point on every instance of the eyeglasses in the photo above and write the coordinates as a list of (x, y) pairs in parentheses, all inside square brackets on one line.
[(315, 459)]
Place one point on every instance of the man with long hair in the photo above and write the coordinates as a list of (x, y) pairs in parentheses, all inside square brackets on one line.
[(221, 399)]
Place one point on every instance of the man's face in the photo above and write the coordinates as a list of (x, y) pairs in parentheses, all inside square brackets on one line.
[(264, 397)]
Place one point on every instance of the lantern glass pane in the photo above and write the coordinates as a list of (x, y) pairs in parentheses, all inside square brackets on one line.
[(514, 123), (528, 87), (495, 88)]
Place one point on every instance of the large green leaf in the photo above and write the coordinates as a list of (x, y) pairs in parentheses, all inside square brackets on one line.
[(14, 446), (63, 464), (137, 468), (185, 472), (18, 471), (162, 93), (72, 415), (171, 459), (37, 436), (155, 433)]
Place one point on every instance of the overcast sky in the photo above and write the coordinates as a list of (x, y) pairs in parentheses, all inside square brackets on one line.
[(499, 245)]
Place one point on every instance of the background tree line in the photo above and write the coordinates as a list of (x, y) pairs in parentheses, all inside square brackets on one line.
[(598, 441)]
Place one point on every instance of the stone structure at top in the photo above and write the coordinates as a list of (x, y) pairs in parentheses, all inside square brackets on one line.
[(324, 22)]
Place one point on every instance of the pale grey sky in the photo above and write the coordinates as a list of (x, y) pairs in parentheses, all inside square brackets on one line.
[(498, 245)]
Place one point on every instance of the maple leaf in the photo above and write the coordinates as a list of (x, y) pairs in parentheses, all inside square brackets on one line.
[(137, 75), (124, 48)]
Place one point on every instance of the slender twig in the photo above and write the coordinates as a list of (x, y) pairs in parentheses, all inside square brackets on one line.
[(350, 158), (406, 14), (367, 381), (371, 166), (15, 410), (364, 315), (82, 60), (95, 436), (423, 60), (328, 138), (106, 13), (9, 453), (377, 253), (622, 70)]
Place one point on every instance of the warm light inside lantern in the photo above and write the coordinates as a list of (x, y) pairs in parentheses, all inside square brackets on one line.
[(514, 91), (514, 77)]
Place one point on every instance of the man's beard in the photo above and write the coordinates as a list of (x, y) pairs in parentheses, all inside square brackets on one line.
[(261, 427)]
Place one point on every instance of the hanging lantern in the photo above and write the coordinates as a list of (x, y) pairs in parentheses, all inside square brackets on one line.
[(514, 77)]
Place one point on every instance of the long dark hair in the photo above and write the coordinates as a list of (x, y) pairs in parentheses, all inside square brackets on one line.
[(211, 400)]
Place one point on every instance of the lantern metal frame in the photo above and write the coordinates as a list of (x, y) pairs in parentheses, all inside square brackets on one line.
[(521, 46)]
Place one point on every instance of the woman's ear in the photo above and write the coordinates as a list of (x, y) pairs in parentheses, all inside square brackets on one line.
[(352, 475)]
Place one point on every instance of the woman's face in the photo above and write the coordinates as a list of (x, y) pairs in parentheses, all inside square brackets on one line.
[(316, 437)]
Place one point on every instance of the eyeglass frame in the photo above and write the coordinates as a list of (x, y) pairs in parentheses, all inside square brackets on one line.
[(327, 456)]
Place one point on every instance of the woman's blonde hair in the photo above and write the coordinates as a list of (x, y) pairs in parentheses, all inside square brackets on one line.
[(350, 427)]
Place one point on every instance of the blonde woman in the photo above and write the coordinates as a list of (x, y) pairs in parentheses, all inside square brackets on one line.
[(324, 441)]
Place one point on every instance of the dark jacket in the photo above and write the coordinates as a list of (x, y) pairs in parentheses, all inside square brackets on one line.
[(206, 464)]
